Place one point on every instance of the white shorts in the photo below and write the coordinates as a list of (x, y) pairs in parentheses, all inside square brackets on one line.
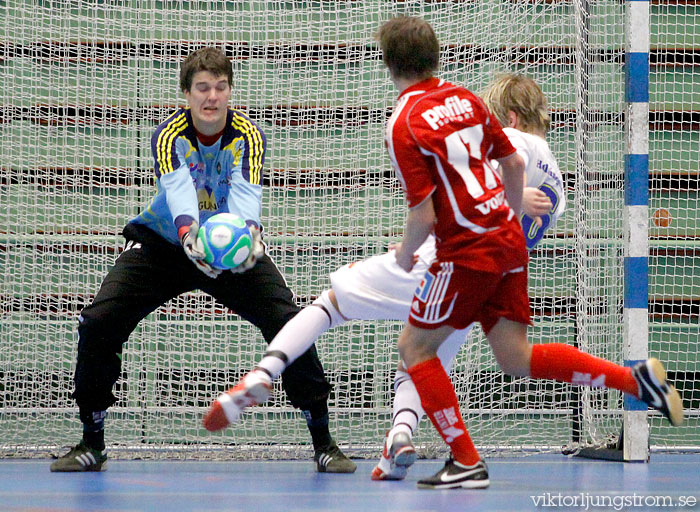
[(377, 288)]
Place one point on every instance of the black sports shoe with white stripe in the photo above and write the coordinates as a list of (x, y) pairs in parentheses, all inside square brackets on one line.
[(332, 460), (655, 391), (81, 458), (455, 475)]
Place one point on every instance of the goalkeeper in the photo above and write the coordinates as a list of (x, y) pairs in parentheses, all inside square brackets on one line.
[(208, 159), (377, 288)]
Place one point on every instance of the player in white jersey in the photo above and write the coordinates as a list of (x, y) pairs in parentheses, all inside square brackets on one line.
[(378, 289)]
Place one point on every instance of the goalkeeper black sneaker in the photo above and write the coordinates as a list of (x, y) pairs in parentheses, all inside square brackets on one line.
[(81, 458), (656, 392), (331, 460), (455, 475)]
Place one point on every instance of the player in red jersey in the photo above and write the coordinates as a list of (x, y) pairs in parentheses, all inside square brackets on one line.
[(441, 139)]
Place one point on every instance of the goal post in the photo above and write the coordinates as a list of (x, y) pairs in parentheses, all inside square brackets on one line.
[(85, 84), (636, 302)]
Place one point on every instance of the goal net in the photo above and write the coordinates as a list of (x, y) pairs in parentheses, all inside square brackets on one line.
[(86, 82)]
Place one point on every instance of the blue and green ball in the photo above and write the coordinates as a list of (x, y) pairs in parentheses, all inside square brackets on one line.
[(226, 240)]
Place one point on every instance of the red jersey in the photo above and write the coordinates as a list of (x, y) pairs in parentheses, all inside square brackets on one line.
[(440, 139)]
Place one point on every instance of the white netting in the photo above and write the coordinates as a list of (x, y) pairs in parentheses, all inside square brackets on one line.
[(86, 82), (674, 229)]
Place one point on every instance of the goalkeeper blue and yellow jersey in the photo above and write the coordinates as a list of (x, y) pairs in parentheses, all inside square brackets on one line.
[(194, 181)]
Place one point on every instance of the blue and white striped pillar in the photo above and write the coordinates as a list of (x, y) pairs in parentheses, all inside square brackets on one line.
[(636, 301)]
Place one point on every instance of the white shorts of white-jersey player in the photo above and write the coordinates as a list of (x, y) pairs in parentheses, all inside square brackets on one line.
[(378, 289)]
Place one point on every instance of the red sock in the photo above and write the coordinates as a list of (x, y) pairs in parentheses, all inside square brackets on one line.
[(439, 400), (568, 364)]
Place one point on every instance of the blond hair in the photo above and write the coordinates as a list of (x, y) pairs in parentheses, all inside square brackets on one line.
[(521, 95), (409, 47)]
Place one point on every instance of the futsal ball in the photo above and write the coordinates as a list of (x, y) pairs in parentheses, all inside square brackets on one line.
[(226, 240), (662, 218)]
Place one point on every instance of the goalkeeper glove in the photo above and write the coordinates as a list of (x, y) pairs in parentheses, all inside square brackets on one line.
[(194, 251), (256, 252)]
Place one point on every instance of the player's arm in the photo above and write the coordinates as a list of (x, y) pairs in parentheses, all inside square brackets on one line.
[(412, 169), (176, 181), (419, 224), (534, 228), (180, 194), (512, 163), (245, 194), (245, 200), (513, 167), (536, 204)]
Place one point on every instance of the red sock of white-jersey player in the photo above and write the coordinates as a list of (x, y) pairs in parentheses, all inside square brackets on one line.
[(568, 364), (439, 401)]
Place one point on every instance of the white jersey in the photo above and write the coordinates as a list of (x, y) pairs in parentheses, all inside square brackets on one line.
[(541, 167), (542, 172), (378, 289)]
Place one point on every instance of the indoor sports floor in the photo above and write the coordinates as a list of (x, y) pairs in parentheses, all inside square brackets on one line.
[(540, 482)]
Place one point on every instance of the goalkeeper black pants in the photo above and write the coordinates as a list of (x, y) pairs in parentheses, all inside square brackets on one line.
[(151, 271)]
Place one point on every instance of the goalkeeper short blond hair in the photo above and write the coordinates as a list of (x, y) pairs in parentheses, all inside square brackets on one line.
[(523, 96)]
